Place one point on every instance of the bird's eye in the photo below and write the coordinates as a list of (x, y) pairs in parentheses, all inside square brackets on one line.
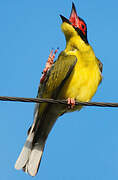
[(83, 26)]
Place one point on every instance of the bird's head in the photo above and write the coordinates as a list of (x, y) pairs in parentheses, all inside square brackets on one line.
[(74, 26)]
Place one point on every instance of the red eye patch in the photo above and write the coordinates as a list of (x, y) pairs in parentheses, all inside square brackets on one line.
[(82, 26)]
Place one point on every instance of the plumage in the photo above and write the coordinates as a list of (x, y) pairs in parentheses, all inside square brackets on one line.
[(75, 74)]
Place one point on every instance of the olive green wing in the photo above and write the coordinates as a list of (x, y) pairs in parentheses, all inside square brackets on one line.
[(57, 76), (100, 65)]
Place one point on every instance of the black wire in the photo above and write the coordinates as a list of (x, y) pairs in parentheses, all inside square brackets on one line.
[(42, 100)]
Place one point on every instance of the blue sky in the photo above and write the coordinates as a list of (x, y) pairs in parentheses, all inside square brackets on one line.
[(82, 145)]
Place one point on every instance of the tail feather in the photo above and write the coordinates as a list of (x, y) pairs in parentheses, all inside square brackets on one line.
[(25, 153), (35, 158), (30, 156)]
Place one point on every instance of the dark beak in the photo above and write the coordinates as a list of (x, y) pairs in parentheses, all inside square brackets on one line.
[(73, 16), (65, 19), (73, 11)]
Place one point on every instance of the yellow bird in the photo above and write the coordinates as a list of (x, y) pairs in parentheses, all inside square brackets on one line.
[(75, 75)]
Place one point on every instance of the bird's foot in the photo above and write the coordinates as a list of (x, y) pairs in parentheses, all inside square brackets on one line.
[(71, 103), (48, 65)]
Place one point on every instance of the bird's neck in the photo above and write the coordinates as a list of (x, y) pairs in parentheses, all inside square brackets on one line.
[(76, 43), (76, 46)]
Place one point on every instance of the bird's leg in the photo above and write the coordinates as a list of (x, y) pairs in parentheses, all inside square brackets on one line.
[(48, 65), (71, 103)]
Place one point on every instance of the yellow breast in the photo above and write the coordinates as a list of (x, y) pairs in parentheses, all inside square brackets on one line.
[(84, 80)]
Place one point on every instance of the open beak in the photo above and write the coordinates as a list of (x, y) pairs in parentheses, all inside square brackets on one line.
[(73, 16)]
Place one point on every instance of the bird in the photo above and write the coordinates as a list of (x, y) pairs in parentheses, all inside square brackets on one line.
[(74, 76)]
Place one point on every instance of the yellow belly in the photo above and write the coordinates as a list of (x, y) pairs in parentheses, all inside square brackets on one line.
[(83, 81)]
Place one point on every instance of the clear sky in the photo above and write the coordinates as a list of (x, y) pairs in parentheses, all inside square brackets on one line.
[(82, 145)]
